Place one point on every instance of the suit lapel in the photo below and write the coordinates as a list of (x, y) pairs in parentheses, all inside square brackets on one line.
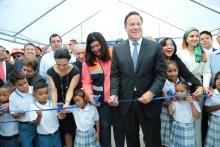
[(141, 54), (128, 55)]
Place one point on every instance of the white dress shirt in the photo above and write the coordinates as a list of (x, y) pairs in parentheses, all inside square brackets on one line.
[(132, 46), (4, 68)]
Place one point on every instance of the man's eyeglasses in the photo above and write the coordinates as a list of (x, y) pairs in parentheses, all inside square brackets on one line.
[(16, 56)]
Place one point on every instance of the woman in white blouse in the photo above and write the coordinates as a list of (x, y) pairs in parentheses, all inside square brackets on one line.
[(195, 59)]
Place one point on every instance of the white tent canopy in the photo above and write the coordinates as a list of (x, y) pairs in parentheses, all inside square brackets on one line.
[(34, 21)]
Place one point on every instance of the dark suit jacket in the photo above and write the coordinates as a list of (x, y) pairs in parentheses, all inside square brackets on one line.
[(150, 75), (79, 65), (9, 69)]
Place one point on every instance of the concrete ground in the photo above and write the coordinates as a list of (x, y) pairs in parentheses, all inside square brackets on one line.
[(141, 139)]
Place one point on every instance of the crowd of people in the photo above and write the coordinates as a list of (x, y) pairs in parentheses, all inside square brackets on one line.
[(72, 97)]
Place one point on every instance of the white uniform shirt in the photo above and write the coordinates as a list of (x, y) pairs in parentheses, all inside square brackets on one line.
[(49, 121), (19, 101), (4, 69), (183, 111), (10, 128), (214, 100), (196, 68), (169, 86), (85, 118)]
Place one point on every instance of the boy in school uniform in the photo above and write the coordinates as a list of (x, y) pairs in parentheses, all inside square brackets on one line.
[(19, 102), (47, 125), (8, 127)]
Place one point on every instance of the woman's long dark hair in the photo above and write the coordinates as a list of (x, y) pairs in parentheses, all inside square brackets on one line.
[(163, 43), (90, 57)]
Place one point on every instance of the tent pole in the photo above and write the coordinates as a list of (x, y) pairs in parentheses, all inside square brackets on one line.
[(21, 38), (194, 1)]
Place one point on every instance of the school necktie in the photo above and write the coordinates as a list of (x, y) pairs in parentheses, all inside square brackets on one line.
[(135, 55), (2, 74)]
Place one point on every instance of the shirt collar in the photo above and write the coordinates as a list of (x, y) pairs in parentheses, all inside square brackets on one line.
[(131, 42), (19, 93), (86, 108), (3, 63), (171, 83), (217, 51), (22, 94), (216, 92), (40, 106)]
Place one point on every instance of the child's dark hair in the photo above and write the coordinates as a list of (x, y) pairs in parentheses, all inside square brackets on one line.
[(168, 62), (16, 75), (186, 84), (39, 85), (1, 83), (8, 85), (215, 78), (79, 92)]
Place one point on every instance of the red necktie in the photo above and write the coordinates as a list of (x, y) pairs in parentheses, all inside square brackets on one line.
[(2, 74)]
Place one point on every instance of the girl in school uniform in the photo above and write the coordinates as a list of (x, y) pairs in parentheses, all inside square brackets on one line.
[(184, 110), (168, 89), (86, 116), (213, 106)]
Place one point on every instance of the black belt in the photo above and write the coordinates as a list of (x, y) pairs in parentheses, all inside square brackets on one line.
[(9, 137), (51, 134), (26, 122)]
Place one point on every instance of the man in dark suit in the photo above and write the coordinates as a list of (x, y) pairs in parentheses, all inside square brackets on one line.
[(5, 68), (138, 74)]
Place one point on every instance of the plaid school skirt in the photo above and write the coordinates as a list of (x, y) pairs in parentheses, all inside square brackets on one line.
[(86, 139), (166, 125), (182, 135), (213, 134)]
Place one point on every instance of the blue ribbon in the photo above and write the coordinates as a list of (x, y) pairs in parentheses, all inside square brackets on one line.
[(97, 100), (58, 109)]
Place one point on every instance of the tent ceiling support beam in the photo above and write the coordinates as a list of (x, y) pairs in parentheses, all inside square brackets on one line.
[(198, 3), (151, 15), (38, 18), (8, 40), (82, 22), (22, 39)]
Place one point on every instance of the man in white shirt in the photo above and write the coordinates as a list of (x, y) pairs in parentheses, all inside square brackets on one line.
[(48, 60), (5, 68), (72, 45), (206, 42)]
